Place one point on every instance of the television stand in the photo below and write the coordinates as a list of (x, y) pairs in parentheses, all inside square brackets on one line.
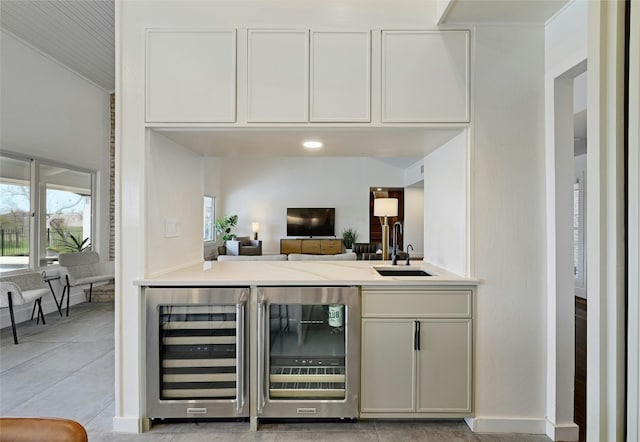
[(311, 246)]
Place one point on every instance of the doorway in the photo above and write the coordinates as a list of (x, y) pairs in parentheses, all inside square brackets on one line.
[(567, 254), (579, 251), (375, 223)]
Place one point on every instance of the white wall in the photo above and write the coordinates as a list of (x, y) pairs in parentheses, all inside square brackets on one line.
[(414, 219), (176, 176), (507, 192), (445, 206), (49, 112), (261, 188), (414, 174), (566, 38)]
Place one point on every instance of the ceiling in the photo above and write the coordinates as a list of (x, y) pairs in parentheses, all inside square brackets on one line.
[(405, 144), (77, 33)]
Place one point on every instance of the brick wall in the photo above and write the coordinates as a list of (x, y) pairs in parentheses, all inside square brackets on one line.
[(112, 181)]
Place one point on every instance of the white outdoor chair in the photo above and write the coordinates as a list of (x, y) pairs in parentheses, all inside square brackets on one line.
[(82, 268), (23, 289)]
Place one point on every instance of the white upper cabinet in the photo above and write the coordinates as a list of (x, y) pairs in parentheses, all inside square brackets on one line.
[(278, 76), (191, 76), (340, 76), (203, 76), (425, 76)]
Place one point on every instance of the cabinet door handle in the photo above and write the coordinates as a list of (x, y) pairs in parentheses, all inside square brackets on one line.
[(240, 350), (417, 336), (261, 345)]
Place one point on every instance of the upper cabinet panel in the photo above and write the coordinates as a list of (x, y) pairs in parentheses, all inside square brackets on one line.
[(425, 76), (191, 76), (340, 76), (277, 76)]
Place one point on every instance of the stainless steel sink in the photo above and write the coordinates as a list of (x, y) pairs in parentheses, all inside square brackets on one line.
[(401, 271)]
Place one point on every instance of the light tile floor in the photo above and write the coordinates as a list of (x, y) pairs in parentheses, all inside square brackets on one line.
[(66, 369)]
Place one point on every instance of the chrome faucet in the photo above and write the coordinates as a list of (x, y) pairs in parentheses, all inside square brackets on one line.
[(394, 251), (408, 263)]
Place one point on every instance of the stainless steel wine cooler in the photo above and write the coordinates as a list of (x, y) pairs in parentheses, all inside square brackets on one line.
[(308, 352), (196, 354)]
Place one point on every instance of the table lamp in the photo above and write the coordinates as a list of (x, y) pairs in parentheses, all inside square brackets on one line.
[(255, 227), (385, 207)]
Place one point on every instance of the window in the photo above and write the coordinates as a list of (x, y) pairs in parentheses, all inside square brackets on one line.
[(65, 212), (15, 211), (579, 257), (209, 218), (60, 200)]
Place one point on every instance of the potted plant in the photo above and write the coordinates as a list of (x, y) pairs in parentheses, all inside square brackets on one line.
[(349, 236), (223, 230), (74, 244)]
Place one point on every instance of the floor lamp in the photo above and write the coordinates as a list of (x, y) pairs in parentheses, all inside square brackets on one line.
[(384, 208)]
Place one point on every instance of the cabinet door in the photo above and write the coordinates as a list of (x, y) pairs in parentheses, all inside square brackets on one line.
[(425, 76), (444, 366), (340, 76), (278, 76), (290, 246), (311, 246), (191, 76), (388, 366), (331, 246)]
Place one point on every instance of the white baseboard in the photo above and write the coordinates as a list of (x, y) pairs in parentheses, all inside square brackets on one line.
[(127, 424), (507, 425), (563, 432), (556, 432)]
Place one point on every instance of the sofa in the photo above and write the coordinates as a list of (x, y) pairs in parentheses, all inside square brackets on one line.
[(252, 257), (308, 257), (290, 257), (244, 245), (369, 252)]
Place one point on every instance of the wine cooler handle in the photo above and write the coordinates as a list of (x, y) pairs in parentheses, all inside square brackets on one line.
[(261, 344), (240, 352)]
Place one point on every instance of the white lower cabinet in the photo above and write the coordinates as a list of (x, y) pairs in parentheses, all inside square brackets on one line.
[(416, 361)]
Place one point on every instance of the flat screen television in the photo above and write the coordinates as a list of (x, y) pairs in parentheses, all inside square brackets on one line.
[(307, 221)]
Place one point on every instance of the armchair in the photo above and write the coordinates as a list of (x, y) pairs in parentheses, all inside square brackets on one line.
[(243, 245), (22, 289), (366, 251), (82, 268), (34, 429)]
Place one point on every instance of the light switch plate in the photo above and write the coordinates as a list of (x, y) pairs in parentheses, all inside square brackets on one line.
[(171, 228)]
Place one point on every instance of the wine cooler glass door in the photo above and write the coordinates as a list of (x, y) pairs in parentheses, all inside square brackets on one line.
[(196, 352), (308, 351)]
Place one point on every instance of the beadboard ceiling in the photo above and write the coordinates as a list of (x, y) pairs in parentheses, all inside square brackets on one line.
[(77, 33)]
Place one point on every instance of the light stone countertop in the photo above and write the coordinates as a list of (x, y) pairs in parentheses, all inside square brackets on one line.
[(300, 273)]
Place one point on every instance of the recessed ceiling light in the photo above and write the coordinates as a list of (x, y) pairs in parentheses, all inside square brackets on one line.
[(312, 144)]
